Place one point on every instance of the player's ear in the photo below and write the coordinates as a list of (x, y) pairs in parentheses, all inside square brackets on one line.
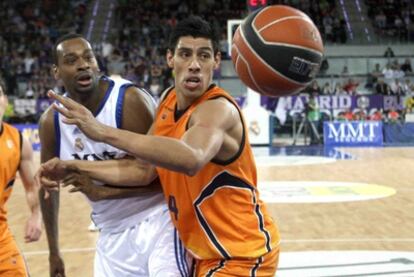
[(170, 58), (217, 60), (55, 72)]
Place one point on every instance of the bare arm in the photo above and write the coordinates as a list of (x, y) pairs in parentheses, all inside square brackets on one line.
[(33, 227), (127, 172), (50, 206), (202, 141), (83, 183)]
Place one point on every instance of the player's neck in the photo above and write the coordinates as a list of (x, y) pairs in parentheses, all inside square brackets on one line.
[(91, 100)]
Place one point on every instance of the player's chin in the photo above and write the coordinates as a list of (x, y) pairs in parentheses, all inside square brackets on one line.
[(84, 89)]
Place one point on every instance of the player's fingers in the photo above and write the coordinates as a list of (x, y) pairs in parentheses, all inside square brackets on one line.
[(65, 101), (75, 189), (63, 111), (46, 195), (70, 121), (47, 183), (71, 178)]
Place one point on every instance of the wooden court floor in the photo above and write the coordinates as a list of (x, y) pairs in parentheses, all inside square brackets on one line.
[(380, 224)]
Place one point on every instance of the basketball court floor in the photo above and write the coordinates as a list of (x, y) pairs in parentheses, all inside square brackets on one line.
[(341, 212)]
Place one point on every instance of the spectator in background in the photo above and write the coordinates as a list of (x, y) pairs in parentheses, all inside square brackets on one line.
[(373, 76), (406, 66), (398, 73), (314, 88), (393, 116), (116, 63), (345, 72), (327, 90), (397, 88), (407, 87), (324, 66), (377, 115), (351, 86), (314, 116), (382, 88), (388, 72), (338, 90), (409, 104), (348, 115), (389, 53), (360, 115), (107, 49)]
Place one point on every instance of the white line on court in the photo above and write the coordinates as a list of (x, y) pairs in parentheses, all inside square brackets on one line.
[(90, 249)]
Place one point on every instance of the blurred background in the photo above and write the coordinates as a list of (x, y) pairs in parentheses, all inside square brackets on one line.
[(368, 56)]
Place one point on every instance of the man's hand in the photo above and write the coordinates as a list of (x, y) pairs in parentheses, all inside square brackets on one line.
[(83, 183), (49, 174), (33, 228), (76, 114), (57, 266)]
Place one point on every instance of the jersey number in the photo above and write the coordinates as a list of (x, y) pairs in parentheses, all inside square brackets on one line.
[(172, 206)]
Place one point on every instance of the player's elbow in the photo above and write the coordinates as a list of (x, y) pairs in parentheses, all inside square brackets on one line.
[(193, 165)]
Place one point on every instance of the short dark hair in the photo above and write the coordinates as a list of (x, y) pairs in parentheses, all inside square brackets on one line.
[(196, 27), (62, 39)]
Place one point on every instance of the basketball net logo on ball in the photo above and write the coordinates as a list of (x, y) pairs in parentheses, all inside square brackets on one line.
[(277, 51)]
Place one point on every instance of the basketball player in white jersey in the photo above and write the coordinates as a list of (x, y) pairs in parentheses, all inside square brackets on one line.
[(136, 236)]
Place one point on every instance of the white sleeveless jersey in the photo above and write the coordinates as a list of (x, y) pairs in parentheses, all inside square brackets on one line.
[(110, 215)]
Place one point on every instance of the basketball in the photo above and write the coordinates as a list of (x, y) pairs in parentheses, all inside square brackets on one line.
[(277, 51)]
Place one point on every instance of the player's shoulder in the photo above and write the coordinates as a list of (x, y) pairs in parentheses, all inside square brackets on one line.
[(47, 118), (138, 97)]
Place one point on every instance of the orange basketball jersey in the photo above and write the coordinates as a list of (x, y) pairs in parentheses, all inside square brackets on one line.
[(217, 212), (10, 151)]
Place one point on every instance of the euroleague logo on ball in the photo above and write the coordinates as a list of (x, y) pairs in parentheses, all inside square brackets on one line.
[(277, 51)]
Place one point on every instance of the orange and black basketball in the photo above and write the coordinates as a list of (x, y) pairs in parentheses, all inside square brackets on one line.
[(277, 50)]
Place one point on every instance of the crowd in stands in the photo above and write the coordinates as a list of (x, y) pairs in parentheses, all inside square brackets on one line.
[(392, 18), (395, 79), (28, 31), (137, 47), (137, 42)]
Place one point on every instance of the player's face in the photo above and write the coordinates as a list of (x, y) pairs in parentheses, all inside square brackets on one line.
[(3, 103), (77, 66), (193, 63)]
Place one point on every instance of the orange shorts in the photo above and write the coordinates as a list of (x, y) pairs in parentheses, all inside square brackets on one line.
[(12, 263), (264, 266)]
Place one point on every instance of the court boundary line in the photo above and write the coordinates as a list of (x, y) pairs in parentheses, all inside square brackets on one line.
[(286, 241)]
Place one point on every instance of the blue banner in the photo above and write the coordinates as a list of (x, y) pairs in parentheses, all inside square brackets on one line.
[(352, 133), (31, 133)]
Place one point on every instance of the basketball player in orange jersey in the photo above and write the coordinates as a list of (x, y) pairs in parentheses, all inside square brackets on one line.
[(200, 149), (16, 154), (123, 215)]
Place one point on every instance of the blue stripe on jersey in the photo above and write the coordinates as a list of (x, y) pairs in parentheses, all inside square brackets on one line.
[(184, 256), (256, 266), (217, 268), (107, 93), (9, 184), (225, 179), (120, 104), (177, 254), (57, 134)]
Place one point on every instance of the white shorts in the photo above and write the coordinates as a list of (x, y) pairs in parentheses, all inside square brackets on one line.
[(150, 248)]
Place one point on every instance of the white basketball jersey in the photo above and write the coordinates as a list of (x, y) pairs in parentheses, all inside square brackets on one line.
[(110, 215)]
